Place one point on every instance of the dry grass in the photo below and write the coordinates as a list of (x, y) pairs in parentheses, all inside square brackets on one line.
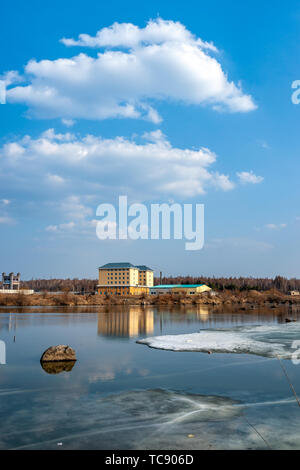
[(226, 297)]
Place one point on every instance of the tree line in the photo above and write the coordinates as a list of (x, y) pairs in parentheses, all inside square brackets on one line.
[(61, 285), (218, 283), (236, 283)]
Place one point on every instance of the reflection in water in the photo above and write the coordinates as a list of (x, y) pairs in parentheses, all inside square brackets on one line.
[(126, 323), (58, 367), (8, 322), (202, 312), (223, 315)]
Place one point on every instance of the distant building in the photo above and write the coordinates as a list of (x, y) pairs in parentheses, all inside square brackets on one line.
[(10, 281), (124, 279), (188, 289), (11, 284), (294, 292)]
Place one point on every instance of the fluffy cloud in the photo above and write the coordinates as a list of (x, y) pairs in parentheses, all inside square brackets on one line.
[(73, 208), (68, 122), (130, 36), (5, 218), (249, 177), (160, 62), (55, 179), (149, 168), (11, 77)]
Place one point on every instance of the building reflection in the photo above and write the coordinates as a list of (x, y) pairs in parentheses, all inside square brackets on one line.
[(202, 312), (8, 322), (133, 321)]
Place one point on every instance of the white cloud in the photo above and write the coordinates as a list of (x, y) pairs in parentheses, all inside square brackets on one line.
[(161, 62), (68, 122), (55, 179), (130, 36), (61, 227), (223, 182), (275, 226), (82, 172), (249, 177), (72, 207), (6, 220), (93, 165), (11, 77), (239, 243), (82, 225)]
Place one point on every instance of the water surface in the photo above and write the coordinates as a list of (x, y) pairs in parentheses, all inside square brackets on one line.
[(123, 395)]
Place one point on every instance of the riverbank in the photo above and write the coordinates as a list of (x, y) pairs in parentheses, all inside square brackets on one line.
[(244, 299)]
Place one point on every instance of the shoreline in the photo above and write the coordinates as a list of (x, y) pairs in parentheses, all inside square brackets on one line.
[(244, 300)]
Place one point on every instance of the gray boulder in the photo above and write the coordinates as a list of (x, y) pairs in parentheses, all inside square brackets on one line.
[(59, 353)]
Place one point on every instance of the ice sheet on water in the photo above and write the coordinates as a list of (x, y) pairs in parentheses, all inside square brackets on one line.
[(131, 419), (263, 340), (165, 407), (151, 419)]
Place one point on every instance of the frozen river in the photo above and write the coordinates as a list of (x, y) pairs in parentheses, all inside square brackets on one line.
[(125, 395)]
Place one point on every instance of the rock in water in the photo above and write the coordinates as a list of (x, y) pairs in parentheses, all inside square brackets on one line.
[(59, 353)]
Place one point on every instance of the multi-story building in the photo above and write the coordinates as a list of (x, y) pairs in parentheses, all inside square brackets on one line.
[(10, 281), (145, 276), (11, 284), (124, 279)]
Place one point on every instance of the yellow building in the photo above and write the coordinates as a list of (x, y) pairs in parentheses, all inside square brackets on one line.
[(124, 279), (145, 276), (188, 289), (191, 289)]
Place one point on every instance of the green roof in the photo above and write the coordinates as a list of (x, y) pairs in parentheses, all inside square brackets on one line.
[(124, 266), (144, 268), (168, 286), (117, 266)]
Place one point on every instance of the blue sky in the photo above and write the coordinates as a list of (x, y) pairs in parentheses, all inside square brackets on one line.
[(181, 78)]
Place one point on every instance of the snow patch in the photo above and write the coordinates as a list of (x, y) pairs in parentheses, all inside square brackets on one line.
[(265, 340)]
